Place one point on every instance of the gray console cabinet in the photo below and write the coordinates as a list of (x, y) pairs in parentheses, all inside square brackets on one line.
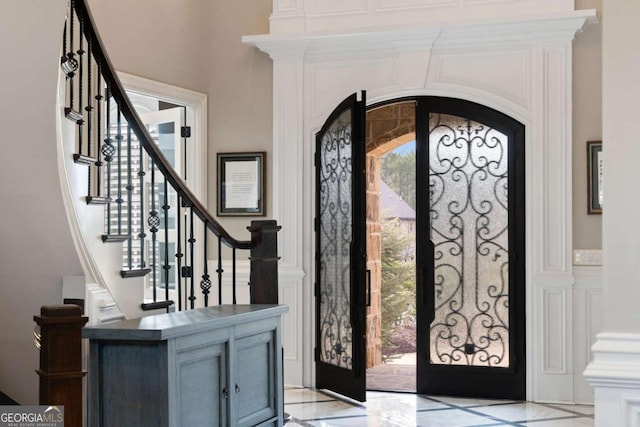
[(216, 366)]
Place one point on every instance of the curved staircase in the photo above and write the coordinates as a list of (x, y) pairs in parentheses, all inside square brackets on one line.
[(141, 233)]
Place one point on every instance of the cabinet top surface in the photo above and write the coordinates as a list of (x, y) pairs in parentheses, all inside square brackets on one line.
[(171, 325)]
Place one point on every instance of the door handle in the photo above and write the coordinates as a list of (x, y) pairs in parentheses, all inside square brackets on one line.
[(428, 282)]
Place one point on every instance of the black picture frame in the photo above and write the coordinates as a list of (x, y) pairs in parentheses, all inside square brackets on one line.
[(241, 178), (594, 171)]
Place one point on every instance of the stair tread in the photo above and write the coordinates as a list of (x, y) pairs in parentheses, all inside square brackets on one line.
[(84, 159), (155, 305), (73, 115), (97, 200), (135, 272), (109, 238)]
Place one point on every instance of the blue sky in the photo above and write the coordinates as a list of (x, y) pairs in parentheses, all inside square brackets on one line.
[(405, 148)]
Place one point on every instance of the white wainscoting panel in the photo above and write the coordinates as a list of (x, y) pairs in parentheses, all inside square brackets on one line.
[(555, 348), (588, 317), (552, 363), (290, 293)]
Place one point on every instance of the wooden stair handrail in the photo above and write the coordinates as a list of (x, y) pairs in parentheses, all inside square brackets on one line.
[(135, 122)]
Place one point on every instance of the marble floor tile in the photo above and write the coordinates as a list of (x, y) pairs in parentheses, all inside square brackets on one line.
[(312, 408), (369, 420), (452, 418), (526, 411), (580, 409), (469, 402), (302, 395), (571, 422), (322, 409), (404, 402)]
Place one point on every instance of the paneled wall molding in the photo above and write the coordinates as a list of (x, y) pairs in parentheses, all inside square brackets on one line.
[(521, 67), (587, 320), (295, 16), (554, 279)]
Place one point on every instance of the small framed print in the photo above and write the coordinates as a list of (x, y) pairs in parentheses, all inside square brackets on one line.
[(594, 166), (241, 184)]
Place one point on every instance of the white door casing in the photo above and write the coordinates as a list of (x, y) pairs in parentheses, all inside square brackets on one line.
[(521, 68)]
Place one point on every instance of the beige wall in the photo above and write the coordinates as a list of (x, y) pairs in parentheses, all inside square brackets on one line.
[(240, 91), (201, 50), (621, 126), (36, 247), (197, 46), (587, 125)]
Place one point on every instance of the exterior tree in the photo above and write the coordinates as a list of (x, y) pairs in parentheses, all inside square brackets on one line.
[(398, 286), (399, 172)]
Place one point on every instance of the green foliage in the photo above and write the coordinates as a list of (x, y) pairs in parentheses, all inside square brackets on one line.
[(399, 172), (398, 282)]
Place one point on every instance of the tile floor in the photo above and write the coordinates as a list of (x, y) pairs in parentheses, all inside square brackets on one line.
[(316, 408)]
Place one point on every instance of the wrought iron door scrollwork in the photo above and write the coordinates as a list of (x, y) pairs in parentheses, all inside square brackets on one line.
[(335, 165), (468, 186)]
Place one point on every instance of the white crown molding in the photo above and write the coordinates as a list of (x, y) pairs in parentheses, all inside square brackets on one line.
[(495, 32)]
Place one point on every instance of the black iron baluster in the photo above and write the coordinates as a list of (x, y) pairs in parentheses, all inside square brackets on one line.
[(99, 98), (192, 296), (108, 150), (63, 59), (179, 252), (119, 198), (129, 199), (80, 53), (154, 223), (89, 110), (141, 174), (166, 266), (205, 283), (71, 64), (219, 270), (184, 144), (233, 280), (186, 266)]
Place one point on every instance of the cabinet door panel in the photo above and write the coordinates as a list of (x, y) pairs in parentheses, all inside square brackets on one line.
[(255, 385), (202, 376)]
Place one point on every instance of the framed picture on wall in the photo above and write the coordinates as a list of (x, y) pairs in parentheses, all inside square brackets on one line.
[(241, 184), (594, 166)]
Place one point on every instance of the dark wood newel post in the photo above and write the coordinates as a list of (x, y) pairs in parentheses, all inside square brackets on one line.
[(61, 359), (264, 261)]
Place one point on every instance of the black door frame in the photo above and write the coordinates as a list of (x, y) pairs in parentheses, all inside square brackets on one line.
[(463, 380), (348, 382)]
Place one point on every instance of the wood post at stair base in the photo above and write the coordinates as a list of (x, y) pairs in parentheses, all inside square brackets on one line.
[(264, 262), (61, 359)]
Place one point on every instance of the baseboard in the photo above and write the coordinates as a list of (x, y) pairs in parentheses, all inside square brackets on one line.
[(6, 400), (614, 373)]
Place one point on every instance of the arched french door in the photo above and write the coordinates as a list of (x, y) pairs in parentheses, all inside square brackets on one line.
[(470, 250), (470, 281)]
